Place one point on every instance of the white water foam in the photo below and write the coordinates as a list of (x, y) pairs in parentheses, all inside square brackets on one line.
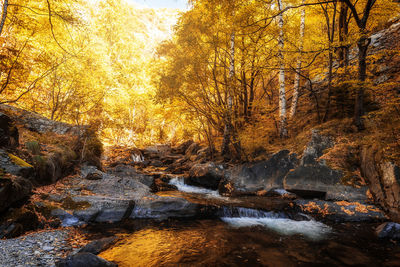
[(275, 221), (180, 184), (310, 229)]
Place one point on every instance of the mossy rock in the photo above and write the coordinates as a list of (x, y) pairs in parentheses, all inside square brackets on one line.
[(70, 204), (14, 165), (19, 161)]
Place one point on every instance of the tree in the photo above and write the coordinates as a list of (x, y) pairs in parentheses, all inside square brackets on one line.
[(296, 86), (282, 90), (362, 44)]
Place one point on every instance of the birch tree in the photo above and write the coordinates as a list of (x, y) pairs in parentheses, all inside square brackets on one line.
[(296, 86), (282, 90), (228, 129)]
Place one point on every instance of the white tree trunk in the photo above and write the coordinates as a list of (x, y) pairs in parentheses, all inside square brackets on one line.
[(282, 90), (296, 85), (228, 119), (4, 15)]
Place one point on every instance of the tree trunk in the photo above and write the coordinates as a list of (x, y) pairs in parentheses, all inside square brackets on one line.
[(282, 90), (343, 32), (296, 86), (228, 128), (3, 16), (362, 44)]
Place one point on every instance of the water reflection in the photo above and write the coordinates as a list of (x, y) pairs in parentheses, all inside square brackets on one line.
[(214, 243)]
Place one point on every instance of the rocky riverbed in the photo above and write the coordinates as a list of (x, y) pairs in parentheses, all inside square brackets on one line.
[(157, 204), (44, 248)]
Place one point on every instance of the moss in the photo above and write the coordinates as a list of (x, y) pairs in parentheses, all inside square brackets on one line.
[(33, 147), (70, 204), (93, 149), (19, 161)]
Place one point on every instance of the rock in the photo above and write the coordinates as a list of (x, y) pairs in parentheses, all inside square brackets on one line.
[(157, 151), (181, 149), (264, 175), (350, 193), (97, 246), (14, 165), (206, 175), (129, 171), (156, 163), (161, 185), (13, 190), (66, 218), (11, 230), (279, 192), (94, 176), (315, 148), (161, 208), (311, 181), (192, 150), (9, 136), (341, 211), (87, 169), (388, 230), (383, 179), (19, 221), (84, 259)]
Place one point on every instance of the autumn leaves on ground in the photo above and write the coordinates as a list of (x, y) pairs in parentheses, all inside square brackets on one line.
[(308, 91)]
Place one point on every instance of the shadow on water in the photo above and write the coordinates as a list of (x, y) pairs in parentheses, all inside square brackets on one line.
[(215, 243)]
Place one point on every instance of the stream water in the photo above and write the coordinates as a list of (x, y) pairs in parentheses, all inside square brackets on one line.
[(242, 236)]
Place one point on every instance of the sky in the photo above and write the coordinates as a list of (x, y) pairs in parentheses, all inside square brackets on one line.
[(181, 4)]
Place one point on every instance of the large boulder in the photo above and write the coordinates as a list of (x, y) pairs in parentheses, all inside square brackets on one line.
[(85, 259), (8, 132), (313, 178), (14, 165), (206, 175), (12, 190), (264, 175), (308, 180), (383, 179), (315, 148)]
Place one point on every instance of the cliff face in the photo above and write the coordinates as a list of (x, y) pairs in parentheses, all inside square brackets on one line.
[(35, 151)]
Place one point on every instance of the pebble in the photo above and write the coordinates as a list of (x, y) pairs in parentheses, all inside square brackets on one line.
[(26, 250)]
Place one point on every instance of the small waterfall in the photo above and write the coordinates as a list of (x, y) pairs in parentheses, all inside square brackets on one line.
[(278, 222), (180, 184), (235, 212)]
